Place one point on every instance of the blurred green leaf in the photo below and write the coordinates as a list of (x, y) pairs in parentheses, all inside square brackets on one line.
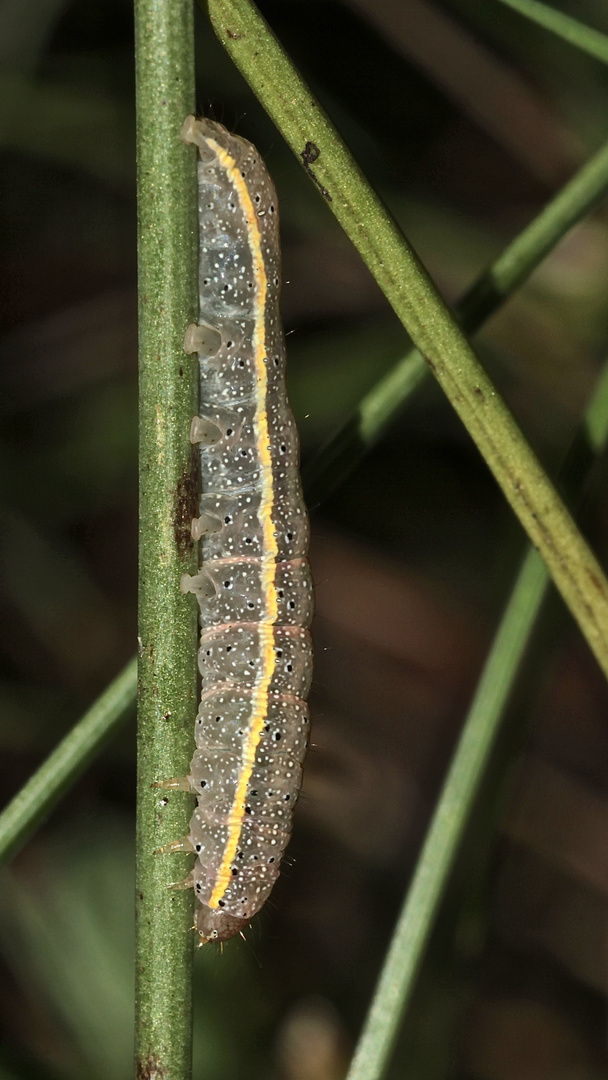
[(67, 931), (68, 126), (571, 30)]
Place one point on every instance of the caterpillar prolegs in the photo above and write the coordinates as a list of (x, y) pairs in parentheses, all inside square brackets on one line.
[(254, 588)]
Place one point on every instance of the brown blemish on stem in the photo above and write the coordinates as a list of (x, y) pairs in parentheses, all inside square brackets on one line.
[(552, 547), (186, 505), (595, 581), (310, 154), (150, 1068)]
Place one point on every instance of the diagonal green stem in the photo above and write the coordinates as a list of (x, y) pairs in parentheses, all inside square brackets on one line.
[(168, 381), (378, 409), (460, 788), (564, 26), (433, 329), (67, 762), (339, 457)]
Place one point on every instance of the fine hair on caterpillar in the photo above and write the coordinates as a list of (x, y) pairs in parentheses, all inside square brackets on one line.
[(254, 586)]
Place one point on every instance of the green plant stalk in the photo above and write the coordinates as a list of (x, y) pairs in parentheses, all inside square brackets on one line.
[(367, 424), (167, 258), (564, 26), (433, 329), (461, 785), (377, 410), (66, 763)]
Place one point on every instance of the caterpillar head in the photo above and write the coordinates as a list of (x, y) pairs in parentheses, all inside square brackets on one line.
[(213, 924)]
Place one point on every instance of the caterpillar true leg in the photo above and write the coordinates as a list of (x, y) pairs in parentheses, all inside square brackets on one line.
[(183, 844), (177, 783)]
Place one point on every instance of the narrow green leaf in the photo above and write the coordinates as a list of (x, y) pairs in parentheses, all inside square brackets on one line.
[(460, 788), (167, 257), (67, 762), (378, 409), (571, 30)]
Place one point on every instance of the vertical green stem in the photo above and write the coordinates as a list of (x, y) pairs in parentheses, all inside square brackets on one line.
[(167, 250)]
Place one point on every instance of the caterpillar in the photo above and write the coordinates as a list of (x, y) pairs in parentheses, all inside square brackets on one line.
[(254, 588)]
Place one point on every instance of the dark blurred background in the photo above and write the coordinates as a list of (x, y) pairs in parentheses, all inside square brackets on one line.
[(467, 119)]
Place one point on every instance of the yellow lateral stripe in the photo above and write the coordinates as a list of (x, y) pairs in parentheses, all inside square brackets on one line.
[(270, 547)]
